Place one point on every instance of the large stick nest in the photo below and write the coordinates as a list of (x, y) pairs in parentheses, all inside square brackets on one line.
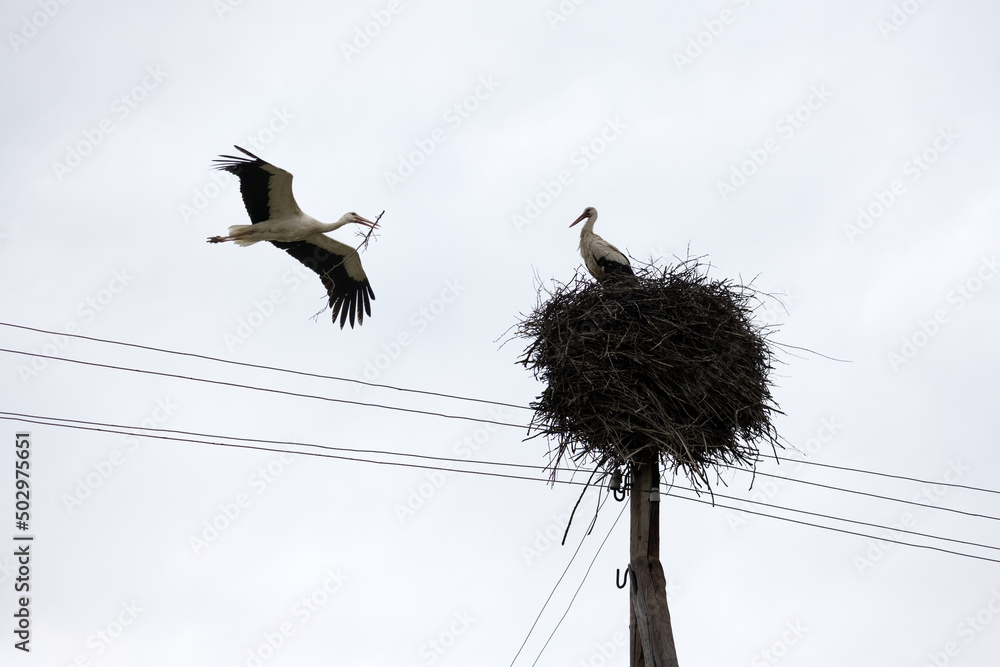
[(673, 366)]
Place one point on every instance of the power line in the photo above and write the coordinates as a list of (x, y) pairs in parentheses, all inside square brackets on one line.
[(293, 451), (838, 530), (885, 474), (866, 493), (553, 591), (578, 588), (122, 429), (854, 521), (264, 367), (41, 421), (402, 389), (200, 438), (264, 389)]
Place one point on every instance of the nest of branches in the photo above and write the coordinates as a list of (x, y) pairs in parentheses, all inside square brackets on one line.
[(671, 366)]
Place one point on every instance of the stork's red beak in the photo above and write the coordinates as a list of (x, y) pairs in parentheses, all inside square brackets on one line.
[(365, 221), (583, 216)]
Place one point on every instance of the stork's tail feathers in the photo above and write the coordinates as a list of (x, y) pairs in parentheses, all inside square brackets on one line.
[(236, 232)]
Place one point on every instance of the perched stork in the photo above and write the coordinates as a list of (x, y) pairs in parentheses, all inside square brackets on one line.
[(603, 260), (275, 217)]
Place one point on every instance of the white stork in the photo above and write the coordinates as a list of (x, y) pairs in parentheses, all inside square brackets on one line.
[(603, 260), (275, 217)]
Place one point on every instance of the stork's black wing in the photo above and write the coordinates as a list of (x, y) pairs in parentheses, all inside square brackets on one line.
[(339, 267), (614, 269), (266, 189)]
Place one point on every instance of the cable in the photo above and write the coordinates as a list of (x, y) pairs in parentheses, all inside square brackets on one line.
[(263, 367), (578, 588), (885, 474), (865, 493), (855, 521), (119, 429), (293, 451), (553, 592), (199, 438), (124, 430), (265, 389), (477, 472), (838, 530), (424, 392)]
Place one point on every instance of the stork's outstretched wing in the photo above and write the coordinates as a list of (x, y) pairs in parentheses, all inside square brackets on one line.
[(339, 267), (266, 189)]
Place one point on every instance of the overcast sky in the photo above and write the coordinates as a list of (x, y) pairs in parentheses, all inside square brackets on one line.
[(841, 155)]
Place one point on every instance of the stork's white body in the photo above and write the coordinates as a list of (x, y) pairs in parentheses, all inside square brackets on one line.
[(295, 227), (602, 259), (267, 195), (598, 254)]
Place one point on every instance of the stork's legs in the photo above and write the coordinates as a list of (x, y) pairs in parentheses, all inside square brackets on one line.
[(235, 232)]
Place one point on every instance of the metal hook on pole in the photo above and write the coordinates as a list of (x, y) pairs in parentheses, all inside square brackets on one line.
[(618, 580)]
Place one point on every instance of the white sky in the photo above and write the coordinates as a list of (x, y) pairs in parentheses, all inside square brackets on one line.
[(850, 113)]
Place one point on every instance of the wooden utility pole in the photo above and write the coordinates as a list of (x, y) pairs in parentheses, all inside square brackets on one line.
[(651, 638)]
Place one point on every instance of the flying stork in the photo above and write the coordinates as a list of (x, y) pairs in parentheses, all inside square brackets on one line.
[(275, 217), (603, 260)]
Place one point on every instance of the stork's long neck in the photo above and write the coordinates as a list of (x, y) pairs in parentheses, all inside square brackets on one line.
[(330, 226), (588, 226), (587, 235)]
